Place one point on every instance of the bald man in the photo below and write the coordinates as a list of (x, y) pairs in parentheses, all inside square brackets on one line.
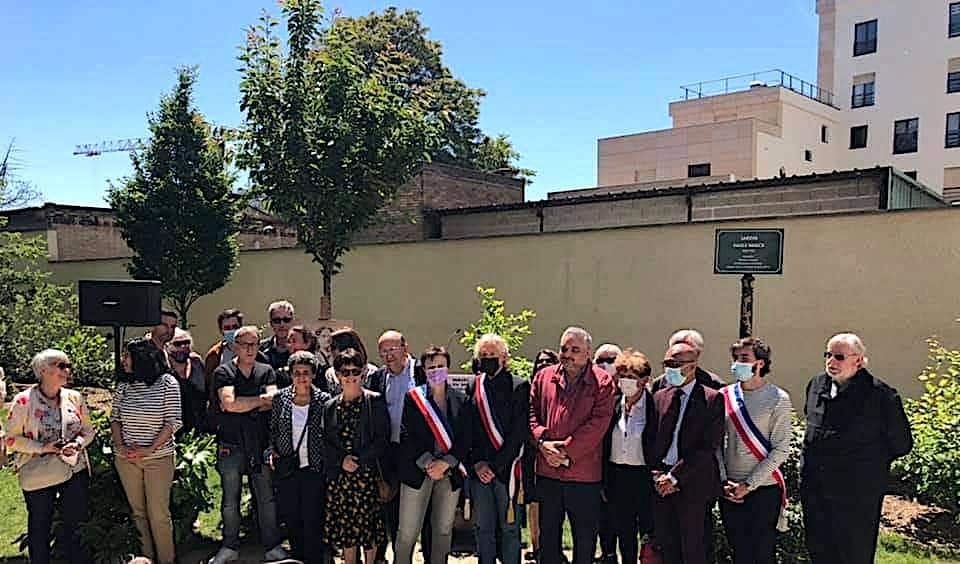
[(686, 475)]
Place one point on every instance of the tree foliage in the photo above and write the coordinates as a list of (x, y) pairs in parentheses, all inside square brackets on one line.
[(446, 99), (513, 327), (178, 212), (330, 136)]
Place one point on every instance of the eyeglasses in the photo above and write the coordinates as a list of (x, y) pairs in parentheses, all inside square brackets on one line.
[(840, 357), (279, 320), (248, 346), (390, 350), (64, 365), (631, 374), (673, 363), (607, 360), (350, 373), (185, 343)]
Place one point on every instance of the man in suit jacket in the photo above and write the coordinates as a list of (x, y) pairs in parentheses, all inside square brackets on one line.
[(690, 421)]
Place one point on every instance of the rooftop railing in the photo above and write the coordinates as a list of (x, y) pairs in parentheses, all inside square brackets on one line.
[(743, 82)]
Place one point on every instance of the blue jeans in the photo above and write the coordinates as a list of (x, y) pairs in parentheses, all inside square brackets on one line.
[(490, 502), (232, 465)]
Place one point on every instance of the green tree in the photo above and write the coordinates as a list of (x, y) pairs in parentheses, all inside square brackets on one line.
[(178, 212), (329, 137), (35, 313), (514, 328), (445, 98)]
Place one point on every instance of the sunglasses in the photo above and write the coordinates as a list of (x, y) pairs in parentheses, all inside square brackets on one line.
[(185, 343), (64, 365), (840, 357), (279, 320), (676, 363), (350, 373), (607, 360)]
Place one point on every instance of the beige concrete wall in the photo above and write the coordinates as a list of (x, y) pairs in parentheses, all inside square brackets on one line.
[(800, 121), (760, 103), (911, 61), (884, 275)]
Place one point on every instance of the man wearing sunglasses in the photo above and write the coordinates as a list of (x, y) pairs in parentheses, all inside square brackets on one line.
[(855, 428), (275, 347)]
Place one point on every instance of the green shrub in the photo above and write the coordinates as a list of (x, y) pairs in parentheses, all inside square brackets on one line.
[(514, 328), (196, 460), (932, 469)]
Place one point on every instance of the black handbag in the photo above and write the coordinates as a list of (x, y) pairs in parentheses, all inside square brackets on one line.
[(286, 466)]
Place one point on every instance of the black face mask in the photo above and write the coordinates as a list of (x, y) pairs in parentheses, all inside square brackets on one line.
[(489, 366)]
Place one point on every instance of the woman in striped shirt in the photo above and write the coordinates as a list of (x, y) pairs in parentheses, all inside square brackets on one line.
[(146, 414)]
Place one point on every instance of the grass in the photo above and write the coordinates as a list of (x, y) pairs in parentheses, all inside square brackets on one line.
[(892, 548)]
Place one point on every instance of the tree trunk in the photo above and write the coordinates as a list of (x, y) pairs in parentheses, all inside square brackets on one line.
[(326, 303)]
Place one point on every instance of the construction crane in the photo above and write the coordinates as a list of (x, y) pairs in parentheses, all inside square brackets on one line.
[(125, 145), (221, 134)]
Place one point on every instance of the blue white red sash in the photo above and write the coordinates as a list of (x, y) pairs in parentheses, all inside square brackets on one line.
[(495, 434), (751, 436), (438, 424)]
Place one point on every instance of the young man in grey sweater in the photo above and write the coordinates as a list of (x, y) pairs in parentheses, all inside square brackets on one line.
[(756, 443)]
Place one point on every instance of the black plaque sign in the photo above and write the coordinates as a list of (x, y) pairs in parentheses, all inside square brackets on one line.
[(748, 251)]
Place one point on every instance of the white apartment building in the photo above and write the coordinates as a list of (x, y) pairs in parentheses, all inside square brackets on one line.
[(888, 93)]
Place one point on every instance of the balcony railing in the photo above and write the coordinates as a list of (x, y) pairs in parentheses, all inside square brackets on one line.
[(775, 77)]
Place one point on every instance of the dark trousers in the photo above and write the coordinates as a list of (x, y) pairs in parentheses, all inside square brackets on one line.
[(390, 510), (581, 502), (680, 528), (73, 496), (629, 508), (840, 529), (751, 526), (606, 534), (301, 502)]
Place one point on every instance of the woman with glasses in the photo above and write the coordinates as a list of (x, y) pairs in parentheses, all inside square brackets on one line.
[(627, 454), (341, 340), (187, 368), (300, 338), (356, 431), (146, 414), (48, 429)]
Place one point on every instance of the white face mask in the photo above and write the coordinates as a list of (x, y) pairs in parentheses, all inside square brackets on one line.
[(628, 386)]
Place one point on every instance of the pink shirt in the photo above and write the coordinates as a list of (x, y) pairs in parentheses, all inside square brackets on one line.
[(579, 413)]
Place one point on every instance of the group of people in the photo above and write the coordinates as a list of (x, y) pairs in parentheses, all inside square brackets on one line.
[(347, 456)]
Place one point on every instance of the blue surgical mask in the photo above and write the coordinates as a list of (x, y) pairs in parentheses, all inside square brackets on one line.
[(674, 376), (230, 336), (743, 371)]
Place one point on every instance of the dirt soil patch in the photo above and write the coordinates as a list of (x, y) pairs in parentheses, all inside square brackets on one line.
[(926, 524)]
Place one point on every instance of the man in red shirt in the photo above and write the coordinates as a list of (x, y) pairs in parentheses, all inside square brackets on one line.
[(570, 409)]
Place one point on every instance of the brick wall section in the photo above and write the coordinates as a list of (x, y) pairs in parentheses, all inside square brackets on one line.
[(829, 196), (617, 213), (507, 222)]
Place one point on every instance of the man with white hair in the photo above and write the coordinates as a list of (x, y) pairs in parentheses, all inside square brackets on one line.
[(855, 427), (499, 411), (274, 348), (571, 405)]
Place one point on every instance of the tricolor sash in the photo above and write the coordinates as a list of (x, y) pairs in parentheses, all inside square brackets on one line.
[(438, 424), (495, 434), (747, 430)]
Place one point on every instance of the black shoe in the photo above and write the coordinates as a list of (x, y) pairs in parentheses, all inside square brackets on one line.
[(532, 556)]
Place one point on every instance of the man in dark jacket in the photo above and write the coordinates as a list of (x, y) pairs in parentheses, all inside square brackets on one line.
[(856, 427)]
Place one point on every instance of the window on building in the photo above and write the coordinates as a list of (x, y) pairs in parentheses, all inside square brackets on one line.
[(824, 134), (808, 155), (911, 173), (954, 28), (858, 137), (864, 90), (865, 38), (702, 169), (953, 82), (905, 135), (953, 130)]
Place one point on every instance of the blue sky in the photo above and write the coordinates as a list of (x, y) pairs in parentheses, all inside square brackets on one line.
[(558, 75)]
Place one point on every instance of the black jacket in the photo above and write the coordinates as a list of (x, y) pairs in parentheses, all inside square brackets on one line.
[(416, 438), (373, 434), (851, 439), (649, 430), (514, 420), (282, 441)]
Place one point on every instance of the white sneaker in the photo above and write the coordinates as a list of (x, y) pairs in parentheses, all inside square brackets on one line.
[(224, 555), (276, 553)]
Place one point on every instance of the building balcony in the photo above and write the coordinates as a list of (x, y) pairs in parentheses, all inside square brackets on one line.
[(744, 82)]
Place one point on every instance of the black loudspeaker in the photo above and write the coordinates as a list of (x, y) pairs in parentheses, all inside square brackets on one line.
[(127, 303)]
